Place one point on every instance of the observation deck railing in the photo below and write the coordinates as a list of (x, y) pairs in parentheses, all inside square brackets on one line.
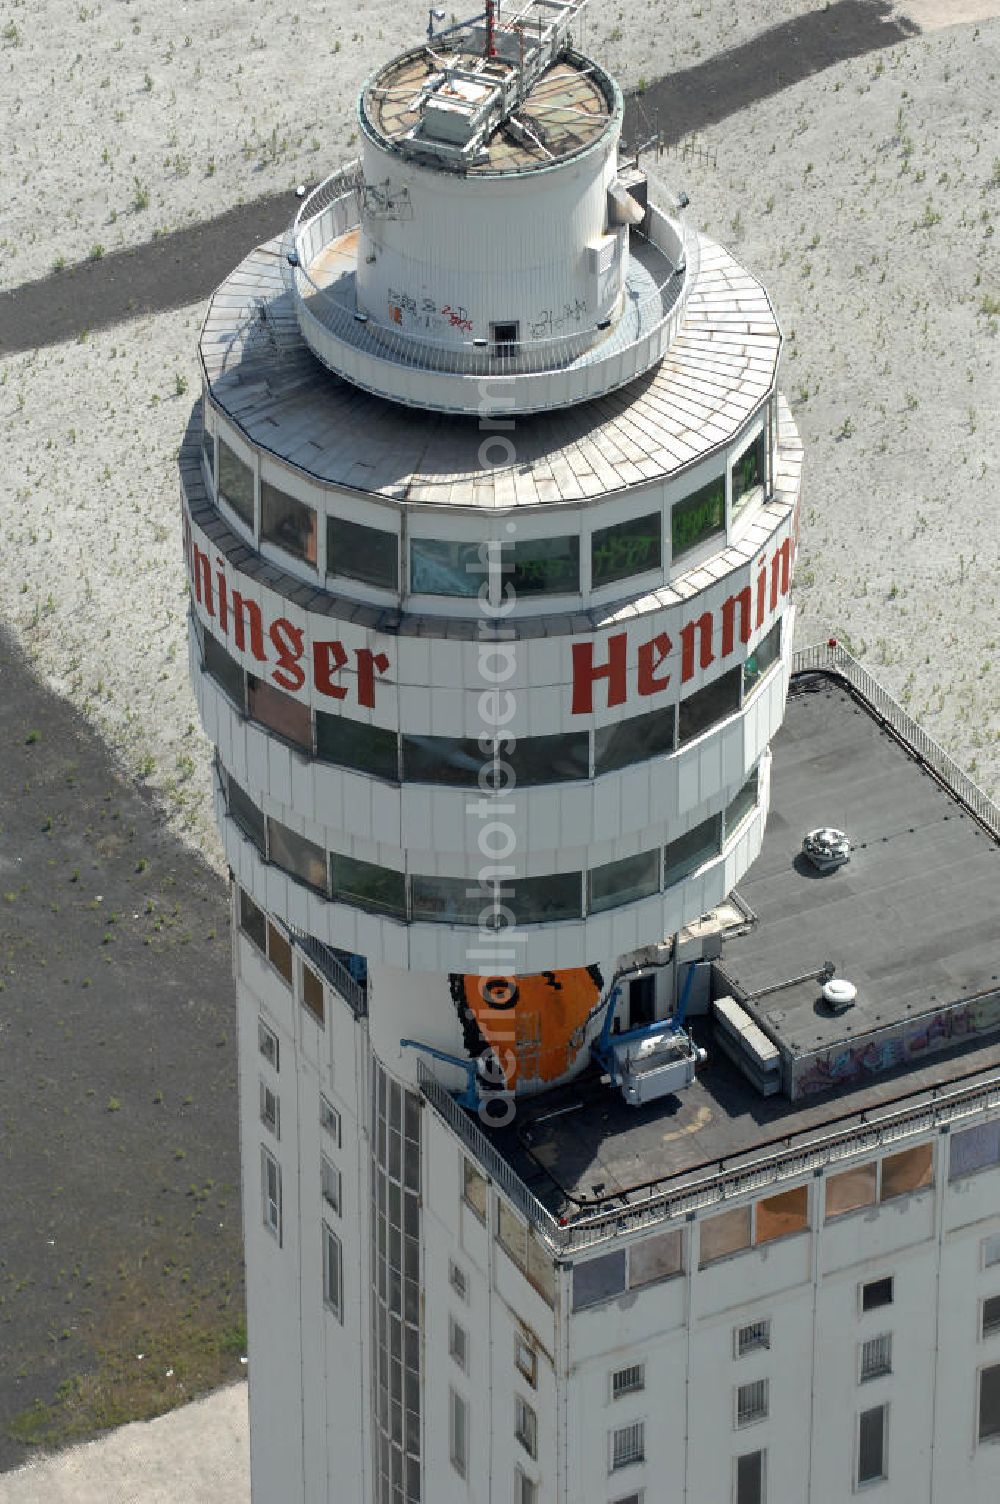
[(638, 336)]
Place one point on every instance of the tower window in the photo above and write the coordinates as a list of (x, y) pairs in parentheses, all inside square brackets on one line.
[(505, 338), (270, 1174)]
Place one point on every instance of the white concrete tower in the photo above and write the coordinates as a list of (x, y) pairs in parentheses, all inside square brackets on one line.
[(490, 527)]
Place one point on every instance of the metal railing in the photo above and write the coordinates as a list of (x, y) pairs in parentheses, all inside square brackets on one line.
[(663, 1203), (334, 971), (333, 209), (832, 657)]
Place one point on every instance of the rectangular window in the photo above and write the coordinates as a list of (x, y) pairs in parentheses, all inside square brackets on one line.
[(439, 566), (252, 921), (279, 953), (279, 712), (329, 1180), (598, 1280), (628, 1445), (269, 1109), (699, 516), (381, 889), (991, 1251), (458, 1343), (692, 849), (991, 1315), (910, 1171), (615, 883), (636, 1498), (764, 656), (751, 1402), (226, 672), (287, 523), (525, 1360), (447, 900), (267, 1043), (750, 1478), (780, 1216), (475, 1189), (660, 1256), (548, 759), (236, 484), (458, 1281), (541, 1270), (270, 1176), (368, 554), (871, 1444), (753, 1337), (543, 566), (851, 1190), (541, 900), (989, 1403), (709, 706), (512, 1234), (725, 1233), (631, 1380), (637, 739), (739, 808), (975, 1149), (246, 815), (333, 1273), (526, 1426), (525, 1491), (458, 1434), (877, 1293), (749, 471), (354, 744), (628, 548), (312, 995), (454, 761), (876, 1357), (329, 1120), (294, 854)]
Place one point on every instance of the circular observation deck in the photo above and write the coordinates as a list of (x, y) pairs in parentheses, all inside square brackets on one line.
[(487, 247)]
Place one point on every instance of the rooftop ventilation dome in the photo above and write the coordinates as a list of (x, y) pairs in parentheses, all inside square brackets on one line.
[(839, 994)]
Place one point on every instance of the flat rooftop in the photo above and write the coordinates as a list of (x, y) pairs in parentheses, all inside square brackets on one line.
[(566, 110), (913, 920)]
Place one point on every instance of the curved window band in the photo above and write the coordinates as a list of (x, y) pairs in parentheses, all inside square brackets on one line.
[(419, 899)]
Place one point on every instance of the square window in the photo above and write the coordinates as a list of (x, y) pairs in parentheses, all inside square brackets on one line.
[(780, 1216), (504, 338), (458, 1343), (725, 1233), (458, 1433), (752, 1402), (631, 1380), (329, 1177), (279, 712), (287, 523), (628, 1445), (267, 1043), (270, 1109), (526, 1426), (312, 995), (989, 1403), (597, 1280), (270, 1176), (876, 1357), (911, 1170), (329, 1119), (991, 1315), (871, 1444), (991, 1251), (658, 1257), (750, 1478), (851, 1190), (475, 1189), (333, 1276), (458, 1281), (526, 1360), (878, 1292), (753, 1337)]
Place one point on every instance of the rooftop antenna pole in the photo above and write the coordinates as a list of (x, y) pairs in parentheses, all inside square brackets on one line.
[(491, 45)]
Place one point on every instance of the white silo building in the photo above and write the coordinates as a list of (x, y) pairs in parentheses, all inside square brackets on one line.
[(490, 521)]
